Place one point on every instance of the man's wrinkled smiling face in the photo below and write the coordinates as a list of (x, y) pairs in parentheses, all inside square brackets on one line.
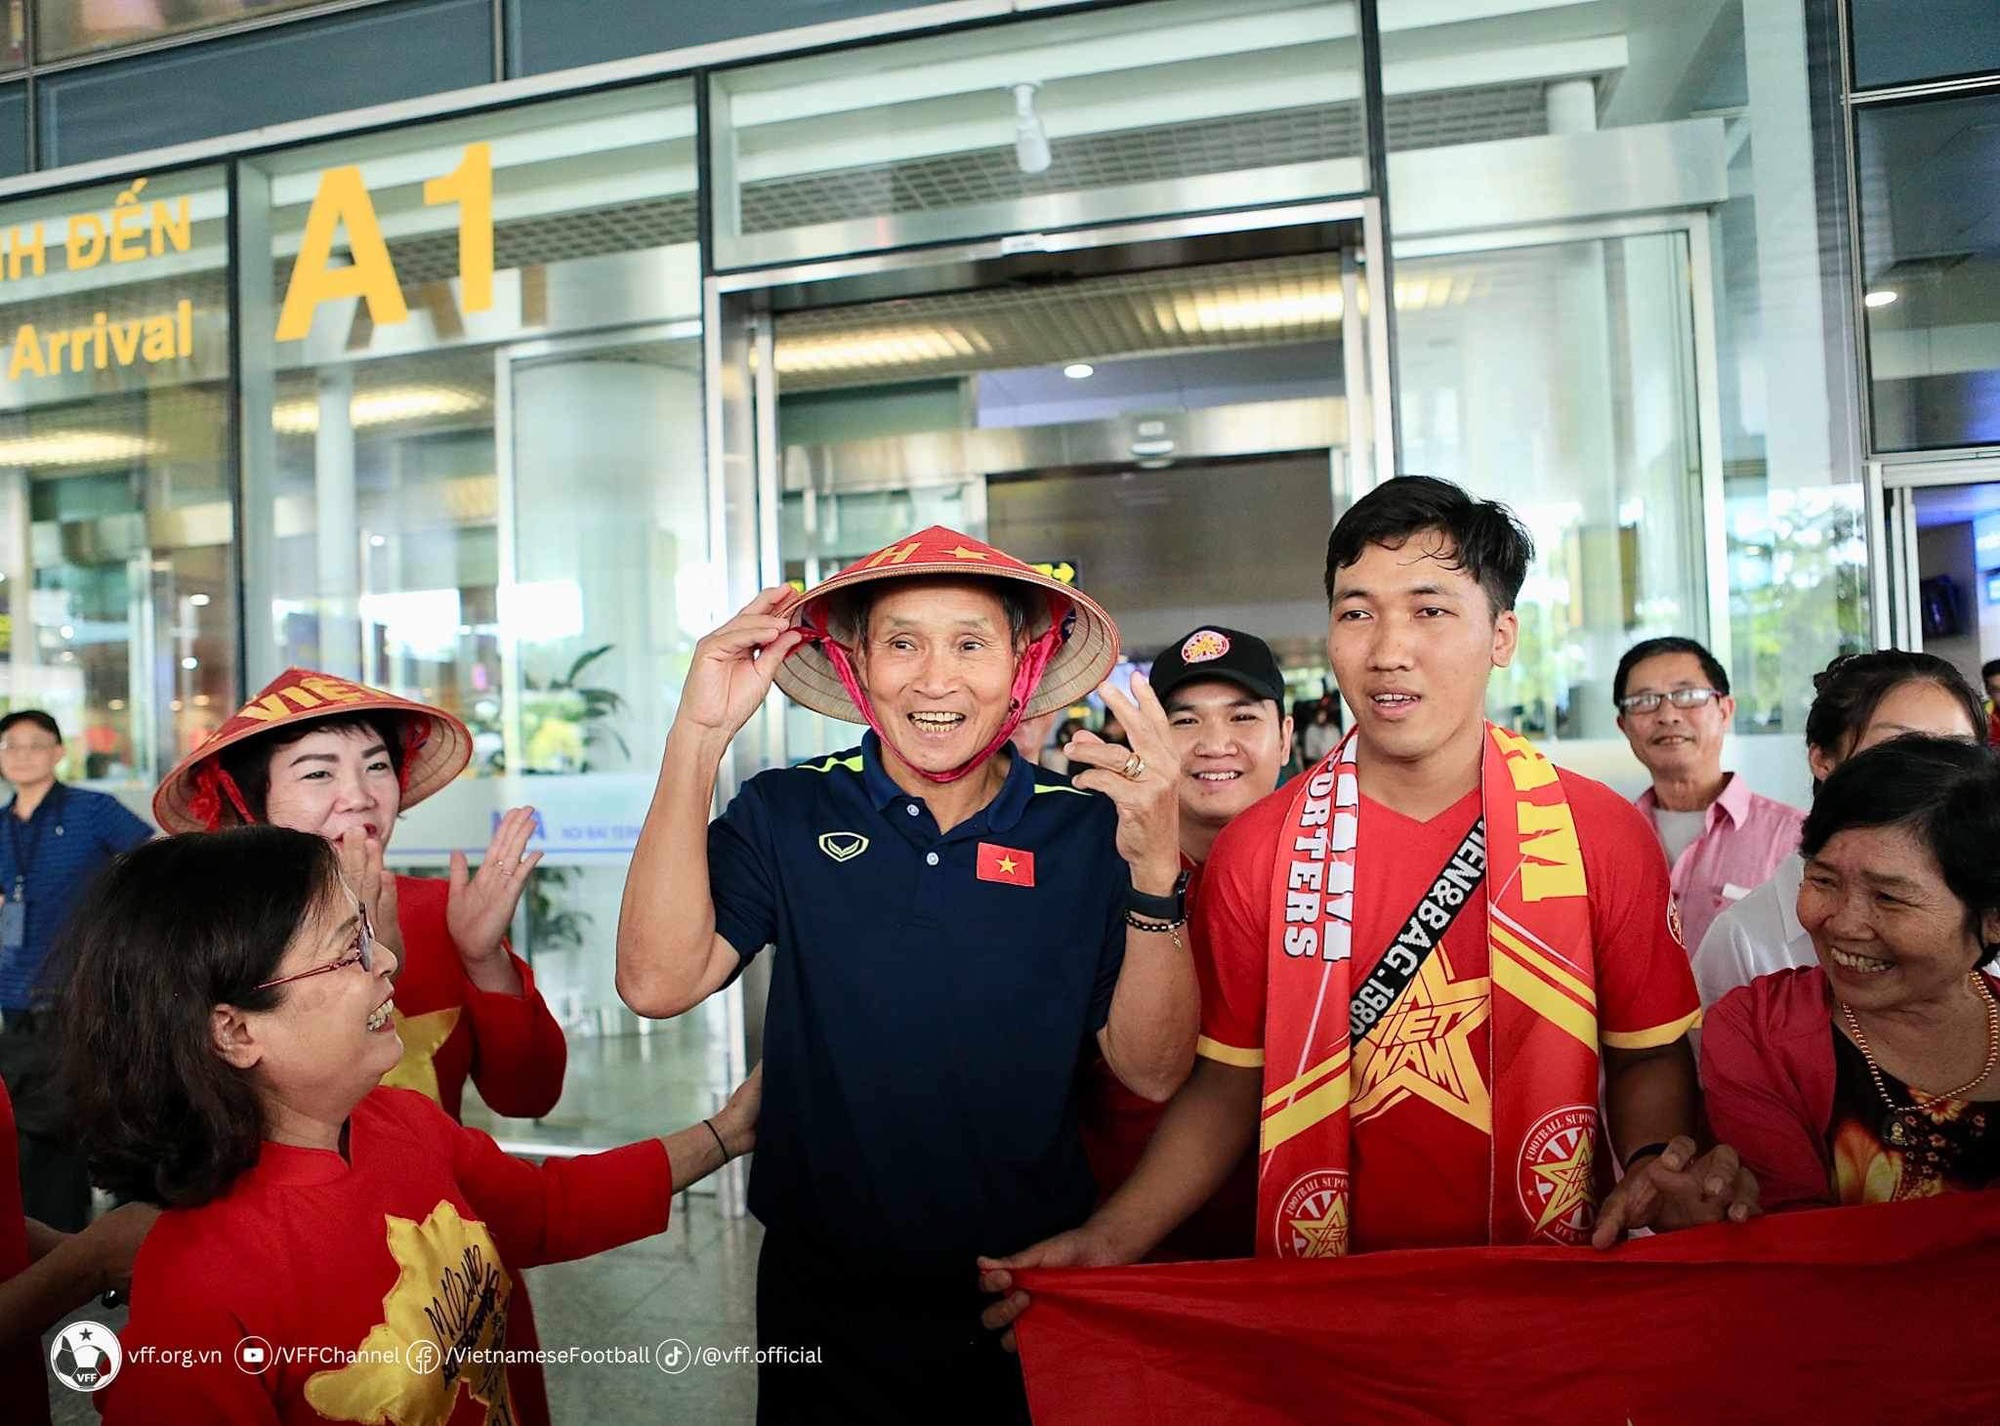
[(937, 662)]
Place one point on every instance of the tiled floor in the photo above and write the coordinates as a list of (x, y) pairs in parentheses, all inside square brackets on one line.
[(695, 1282)]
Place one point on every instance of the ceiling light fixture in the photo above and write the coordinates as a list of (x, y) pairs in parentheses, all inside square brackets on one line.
[(1881, 297), (1031, 139), (880, 347), (383, 407), (74, 448), (1079, 370)]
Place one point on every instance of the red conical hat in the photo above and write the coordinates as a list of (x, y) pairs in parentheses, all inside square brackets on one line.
[(1085, 653), (436, 745)]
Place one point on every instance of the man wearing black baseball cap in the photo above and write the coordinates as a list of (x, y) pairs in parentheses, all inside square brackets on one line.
[(1224, 697)]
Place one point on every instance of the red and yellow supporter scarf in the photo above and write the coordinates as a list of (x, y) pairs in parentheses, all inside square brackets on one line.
[(1543, 1066)]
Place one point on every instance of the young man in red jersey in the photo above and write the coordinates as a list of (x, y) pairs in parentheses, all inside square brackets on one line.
[(1425, 951)]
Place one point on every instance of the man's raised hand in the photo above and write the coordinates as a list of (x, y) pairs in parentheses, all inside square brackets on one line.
[(734, 667), (1148, 802)]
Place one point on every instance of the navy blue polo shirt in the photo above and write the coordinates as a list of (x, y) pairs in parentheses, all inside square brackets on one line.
[(925, 1024), (69, 836)]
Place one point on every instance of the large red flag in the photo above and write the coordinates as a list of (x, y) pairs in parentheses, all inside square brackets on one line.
[(1862, 1315)]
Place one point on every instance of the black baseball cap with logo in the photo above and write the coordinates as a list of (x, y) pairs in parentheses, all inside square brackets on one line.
[(1211, 651)]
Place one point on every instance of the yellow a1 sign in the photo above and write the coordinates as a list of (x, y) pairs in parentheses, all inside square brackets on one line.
[(342, 202)]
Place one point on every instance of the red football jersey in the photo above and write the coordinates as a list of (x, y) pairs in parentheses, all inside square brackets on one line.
[(1422, 1108)]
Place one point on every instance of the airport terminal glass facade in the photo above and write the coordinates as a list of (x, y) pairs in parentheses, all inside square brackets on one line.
[(488, 405)]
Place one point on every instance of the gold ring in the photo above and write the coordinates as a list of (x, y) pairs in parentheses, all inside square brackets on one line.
[(1135, 767)]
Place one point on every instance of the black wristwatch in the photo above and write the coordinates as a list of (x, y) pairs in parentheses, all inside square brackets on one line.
[(1171, 907)]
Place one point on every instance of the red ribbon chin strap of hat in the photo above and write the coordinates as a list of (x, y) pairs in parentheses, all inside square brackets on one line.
[(1027, 674), (416, 732), (211, 785)]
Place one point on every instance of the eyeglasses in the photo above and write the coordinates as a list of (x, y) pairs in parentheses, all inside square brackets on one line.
[(361, 952), (1679, 697), (14, 745)]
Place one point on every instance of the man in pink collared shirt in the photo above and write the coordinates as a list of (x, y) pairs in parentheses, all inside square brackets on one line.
[(1721, 838)]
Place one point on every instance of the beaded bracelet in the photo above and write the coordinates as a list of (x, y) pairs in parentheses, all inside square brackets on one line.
[(1145, 923)]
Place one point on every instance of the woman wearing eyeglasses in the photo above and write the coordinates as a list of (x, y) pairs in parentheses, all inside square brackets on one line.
[(320, 754), (343, 761), (332, 1249), (1859, 700)]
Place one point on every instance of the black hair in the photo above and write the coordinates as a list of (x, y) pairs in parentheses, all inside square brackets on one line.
[(248, 763), (847, 618), (34, 717), (1989, 669), (1944, 791), (1487, 541), (1652, 648), (172, 929), (1849, 690)]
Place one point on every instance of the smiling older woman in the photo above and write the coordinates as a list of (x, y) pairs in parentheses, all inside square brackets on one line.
[(333, 1249), (320, 754), (1876, 1074)]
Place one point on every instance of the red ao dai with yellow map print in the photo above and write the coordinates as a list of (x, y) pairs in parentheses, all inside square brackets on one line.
[(381, 1281)]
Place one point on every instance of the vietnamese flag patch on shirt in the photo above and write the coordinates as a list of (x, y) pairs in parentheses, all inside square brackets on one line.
[(998, 863)]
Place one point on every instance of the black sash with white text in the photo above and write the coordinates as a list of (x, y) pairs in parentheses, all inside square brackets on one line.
[(1422, 934)]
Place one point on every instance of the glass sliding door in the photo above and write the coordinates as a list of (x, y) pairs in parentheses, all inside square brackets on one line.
[(1560, 377), (474, 476)]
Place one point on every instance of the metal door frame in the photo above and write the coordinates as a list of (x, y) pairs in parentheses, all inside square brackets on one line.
[(740, 384), (1890, 488)]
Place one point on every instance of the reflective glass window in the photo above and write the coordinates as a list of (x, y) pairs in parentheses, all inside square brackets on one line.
[(13, 35), (1616, 206), (67, 27), (318, 66), (117, 586), (560, 34), (475, 476), (1930, 262), (1908, 41), (1119, 112), (1586, 425), (13, 129)]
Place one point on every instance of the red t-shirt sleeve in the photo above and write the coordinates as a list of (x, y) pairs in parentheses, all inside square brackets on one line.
[(519, 1055), (1229, 920), (1645, 987), (1754, 1108), (562, 1209)]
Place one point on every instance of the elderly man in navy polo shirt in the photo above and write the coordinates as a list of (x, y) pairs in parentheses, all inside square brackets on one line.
[(956, 932)]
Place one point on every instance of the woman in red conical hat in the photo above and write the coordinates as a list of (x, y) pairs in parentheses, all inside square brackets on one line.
[(319, 754)]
